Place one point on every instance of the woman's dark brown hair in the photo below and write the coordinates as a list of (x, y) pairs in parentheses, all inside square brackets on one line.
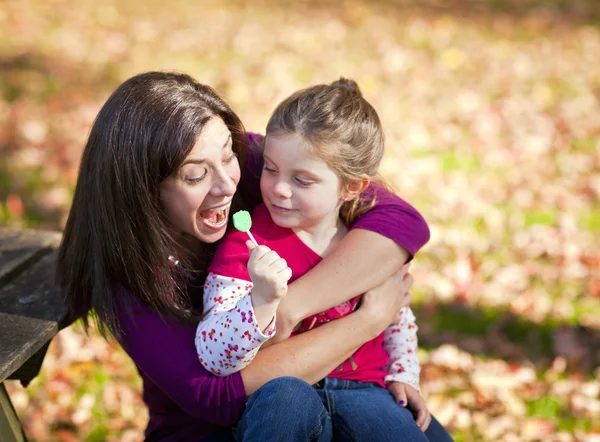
[(342, 128), (117, 235)]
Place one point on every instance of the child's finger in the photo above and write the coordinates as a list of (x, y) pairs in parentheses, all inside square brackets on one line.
[(401, 398), (270, 258), (251, 246), (278, 265), (399, 394), (256, 253), (425, 426), (286, 273), (417, 405), (421, 418)]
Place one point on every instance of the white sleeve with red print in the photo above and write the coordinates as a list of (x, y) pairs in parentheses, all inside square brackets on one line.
[(228, 336), (400, 341)]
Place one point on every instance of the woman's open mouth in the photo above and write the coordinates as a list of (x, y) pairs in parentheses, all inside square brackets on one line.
[(215, 218)]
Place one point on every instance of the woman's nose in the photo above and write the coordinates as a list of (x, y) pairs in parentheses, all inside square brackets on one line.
[(224, 185)]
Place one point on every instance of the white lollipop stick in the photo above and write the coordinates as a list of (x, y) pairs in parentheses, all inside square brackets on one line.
[(252, 238)]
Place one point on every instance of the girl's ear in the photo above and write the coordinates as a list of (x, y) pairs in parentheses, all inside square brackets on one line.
[(355, 187)]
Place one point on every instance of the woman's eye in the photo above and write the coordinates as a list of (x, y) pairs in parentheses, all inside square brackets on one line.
[(196, 179), (230, 158)]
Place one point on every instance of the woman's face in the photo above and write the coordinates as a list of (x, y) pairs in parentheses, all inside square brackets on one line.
[(197, 198)]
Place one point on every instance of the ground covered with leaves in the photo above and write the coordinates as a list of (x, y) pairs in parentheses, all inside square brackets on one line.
[(492, 117)]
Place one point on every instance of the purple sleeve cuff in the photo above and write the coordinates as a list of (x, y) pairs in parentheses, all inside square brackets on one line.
[(394, 218)]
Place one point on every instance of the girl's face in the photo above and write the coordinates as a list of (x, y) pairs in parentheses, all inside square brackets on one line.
[(198, 197), (300, 191)]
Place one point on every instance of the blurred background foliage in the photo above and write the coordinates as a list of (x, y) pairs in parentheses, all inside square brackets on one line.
[(491, 110)]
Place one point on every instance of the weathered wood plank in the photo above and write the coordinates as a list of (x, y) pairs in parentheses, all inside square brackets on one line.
[(19, 248), (22, 337), (31, 311), (33, 293)]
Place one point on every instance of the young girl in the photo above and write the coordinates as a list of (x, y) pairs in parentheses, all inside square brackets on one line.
[(323, 148)]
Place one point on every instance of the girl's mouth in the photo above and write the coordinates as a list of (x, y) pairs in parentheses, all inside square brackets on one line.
[(280, 209)]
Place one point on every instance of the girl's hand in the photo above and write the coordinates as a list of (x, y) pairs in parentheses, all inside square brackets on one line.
[(382, 304), (406, 395), (269, 273)]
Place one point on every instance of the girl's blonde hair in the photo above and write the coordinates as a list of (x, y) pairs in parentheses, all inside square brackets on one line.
[(341, 128)]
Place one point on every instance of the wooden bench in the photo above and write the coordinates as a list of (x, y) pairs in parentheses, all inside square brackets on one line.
[(31, 313)]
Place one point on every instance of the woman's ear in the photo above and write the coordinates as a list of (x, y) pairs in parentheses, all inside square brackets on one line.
[(355, 187)]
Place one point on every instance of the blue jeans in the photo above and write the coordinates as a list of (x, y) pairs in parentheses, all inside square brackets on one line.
[(288, 409), (285, 409), (367, 412)]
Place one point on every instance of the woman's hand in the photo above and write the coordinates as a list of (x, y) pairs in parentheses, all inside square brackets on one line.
[(406, 395), (382, 304)]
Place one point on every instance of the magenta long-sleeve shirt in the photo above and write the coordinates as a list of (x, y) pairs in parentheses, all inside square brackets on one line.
[(186, 401)]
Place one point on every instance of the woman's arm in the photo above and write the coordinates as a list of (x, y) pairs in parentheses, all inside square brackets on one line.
[(165, 355), (166, 358), (311, 355), (314, 354), (361, 261), (378, 244)]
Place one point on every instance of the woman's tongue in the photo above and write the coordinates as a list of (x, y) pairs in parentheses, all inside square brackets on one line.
[(212, 216)]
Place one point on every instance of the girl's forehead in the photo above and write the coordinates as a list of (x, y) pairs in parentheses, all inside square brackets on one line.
[(291, 152), (289, 145)]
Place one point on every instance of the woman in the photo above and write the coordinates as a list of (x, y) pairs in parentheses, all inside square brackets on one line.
[(157, 182)]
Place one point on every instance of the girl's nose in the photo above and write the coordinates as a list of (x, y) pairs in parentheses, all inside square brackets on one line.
[(283, 190)]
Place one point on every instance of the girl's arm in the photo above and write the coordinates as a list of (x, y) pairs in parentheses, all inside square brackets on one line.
[(229, 336), (400, 342)]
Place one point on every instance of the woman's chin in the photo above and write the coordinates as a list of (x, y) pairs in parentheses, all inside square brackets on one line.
[(210, 233)]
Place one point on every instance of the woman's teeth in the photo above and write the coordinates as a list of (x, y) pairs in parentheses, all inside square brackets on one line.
[(215, 217)]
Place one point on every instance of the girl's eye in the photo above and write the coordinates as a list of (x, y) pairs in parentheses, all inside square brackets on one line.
[(302, 182), (268, 169)]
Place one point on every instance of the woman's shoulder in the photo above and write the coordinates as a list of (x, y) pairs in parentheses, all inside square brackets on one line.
[(130, 309), (393, 217), (140, 323), (133, 313)]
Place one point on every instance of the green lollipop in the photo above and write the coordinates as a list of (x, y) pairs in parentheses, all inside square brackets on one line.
[(243, 221)]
